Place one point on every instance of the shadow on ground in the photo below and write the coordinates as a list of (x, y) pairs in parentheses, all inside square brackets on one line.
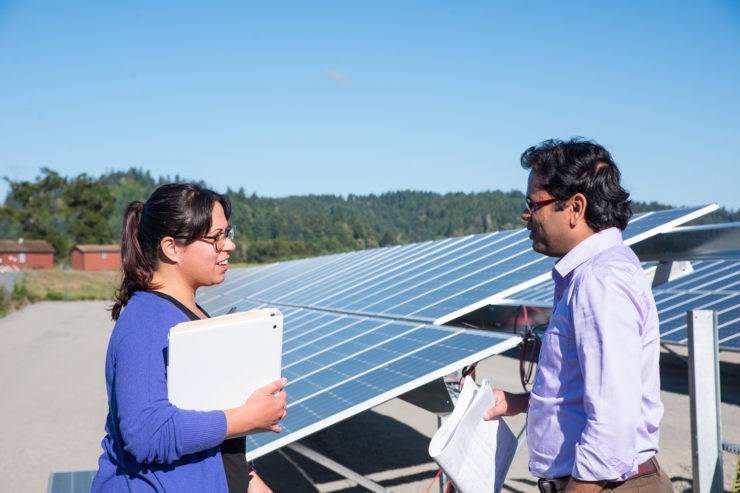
[(513, 485), (367, 443)]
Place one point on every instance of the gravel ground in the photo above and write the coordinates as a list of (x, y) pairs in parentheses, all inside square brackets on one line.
[(53, 409)]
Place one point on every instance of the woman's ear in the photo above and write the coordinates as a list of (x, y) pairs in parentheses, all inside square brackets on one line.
[(170, 249)]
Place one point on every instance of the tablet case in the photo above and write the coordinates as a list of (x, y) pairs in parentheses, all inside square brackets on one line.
[(216, 363)]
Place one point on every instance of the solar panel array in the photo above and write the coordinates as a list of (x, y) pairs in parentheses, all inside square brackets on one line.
[(363, 327)]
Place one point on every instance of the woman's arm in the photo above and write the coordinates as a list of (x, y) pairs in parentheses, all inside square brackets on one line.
[(152, 429)]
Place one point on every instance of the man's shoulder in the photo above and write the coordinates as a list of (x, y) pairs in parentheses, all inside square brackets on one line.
[(617, 263), (618, 257)]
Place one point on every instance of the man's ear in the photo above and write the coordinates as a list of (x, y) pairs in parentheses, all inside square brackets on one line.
[(577, 206), (170, 249)]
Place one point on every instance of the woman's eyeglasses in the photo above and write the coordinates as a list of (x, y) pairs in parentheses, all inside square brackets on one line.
[(219, 240)]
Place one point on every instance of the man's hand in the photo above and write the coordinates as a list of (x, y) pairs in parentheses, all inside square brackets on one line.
[(507, 404)]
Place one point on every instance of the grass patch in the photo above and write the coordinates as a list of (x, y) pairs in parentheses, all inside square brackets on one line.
[(5, 304), (71, 285), (57, 285)]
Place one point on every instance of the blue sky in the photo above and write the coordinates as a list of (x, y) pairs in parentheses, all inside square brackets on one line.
[(296, 98)]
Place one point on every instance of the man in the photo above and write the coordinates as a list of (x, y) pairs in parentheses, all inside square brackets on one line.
[(594, 408)]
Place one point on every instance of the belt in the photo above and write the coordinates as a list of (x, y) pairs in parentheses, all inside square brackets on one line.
[(558, 485), (650, 466)]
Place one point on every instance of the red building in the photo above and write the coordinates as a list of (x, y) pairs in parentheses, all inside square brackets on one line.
[(96, 257), (19, 254)]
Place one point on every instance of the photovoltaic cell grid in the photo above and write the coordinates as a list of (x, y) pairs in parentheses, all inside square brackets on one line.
[(430, 282), (340, 365), (712, 286)]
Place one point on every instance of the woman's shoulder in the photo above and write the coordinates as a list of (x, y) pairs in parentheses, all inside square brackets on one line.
[(147, 311), (142, 302)]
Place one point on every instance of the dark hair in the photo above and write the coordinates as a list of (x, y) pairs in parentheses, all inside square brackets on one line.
[(176, 209), (581, 166)]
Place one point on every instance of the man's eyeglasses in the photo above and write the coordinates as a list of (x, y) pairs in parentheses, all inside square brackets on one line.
[(533, 206), (219, 240)]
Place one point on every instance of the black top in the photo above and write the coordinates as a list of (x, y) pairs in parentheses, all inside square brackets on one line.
[(233, 450)]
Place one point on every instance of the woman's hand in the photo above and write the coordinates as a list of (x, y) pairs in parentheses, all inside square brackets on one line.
[(256, 485), (262, 411)]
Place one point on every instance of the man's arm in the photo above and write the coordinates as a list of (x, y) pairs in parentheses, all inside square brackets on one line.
[(507, 404), (608, 316)]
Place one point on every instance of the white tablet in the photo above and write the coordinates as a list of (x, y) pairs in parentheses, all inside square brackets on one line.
[(216, 363)]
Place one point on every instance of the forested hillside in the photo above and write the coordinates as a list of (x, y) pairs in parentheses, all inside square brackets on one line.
[(66, 211)]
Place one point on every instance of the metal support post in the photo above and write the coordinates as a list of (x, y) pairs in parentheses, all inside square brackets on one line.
[(704, 396), (440, 421), (338, 468)]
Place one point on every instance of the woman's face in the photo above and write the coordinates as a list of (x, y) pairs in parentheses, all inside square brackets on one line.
[(200, 264)]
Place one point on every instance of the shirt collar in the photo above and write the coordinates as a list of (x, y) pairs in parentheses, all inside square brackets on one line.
[(587, 249)]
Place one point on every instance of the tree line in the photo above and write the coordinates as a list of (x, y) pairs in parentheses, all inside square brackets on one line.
[(86, 210)]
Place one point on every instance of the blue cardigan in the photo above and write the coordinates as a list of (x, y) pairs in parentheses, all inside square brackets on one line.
[(151, 444)]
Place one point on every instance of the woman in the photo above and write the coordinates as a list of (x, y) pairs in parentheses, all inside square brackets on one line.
[(176, 242)]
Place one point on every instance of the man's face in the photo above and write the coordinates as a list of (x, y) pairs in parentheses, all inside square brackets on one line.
[(549, 227)]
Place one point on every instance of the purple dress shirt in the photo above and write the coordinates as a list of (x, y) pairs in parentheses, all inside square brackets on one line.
[(595, 405)]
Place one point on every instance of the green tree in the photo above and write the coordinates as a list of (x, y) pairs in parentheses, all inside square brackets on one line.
[(89, 204), (37, 209), (88, 210), (127, 186)]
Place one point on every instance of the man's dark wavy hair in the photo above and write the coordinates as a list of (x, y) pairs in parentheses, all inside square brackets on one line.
[(581, 166)]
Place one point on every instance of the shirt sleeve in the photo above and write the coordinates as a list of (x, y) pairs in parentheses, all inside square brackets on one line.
[(607, 321), (153, 430)]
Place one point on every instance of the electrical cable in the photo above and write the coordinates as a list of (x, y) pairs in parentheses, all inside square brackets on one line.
[(433, 480), (458, 382), (469, 370)]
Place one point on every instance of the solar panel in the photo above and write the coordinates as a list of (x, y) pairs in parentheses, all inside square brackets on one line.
[(71, 482), (364, 327), (431, 282), (705, 242), (711, 286), (340, 365)]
